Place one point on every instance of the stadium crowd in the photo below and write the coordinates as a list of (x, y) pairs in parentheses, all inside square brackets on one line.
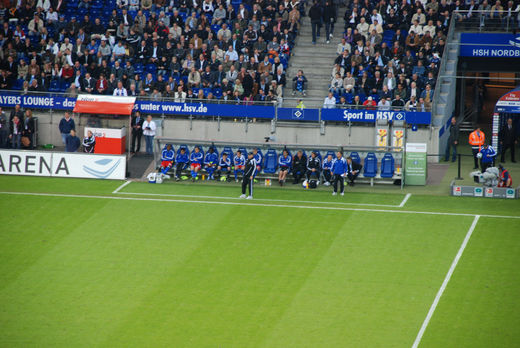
[(390, 53), (183, 49)]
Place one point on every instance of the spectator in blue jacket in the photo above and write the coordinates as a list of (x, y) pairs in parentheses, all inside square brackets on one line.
[(239, 162), (167, 158), (196, 159), (66, 125), (182, 162), (339, 170), (224, 166), (210, 162), (488, 154), (327, 166), (72, 142), (284, 162)]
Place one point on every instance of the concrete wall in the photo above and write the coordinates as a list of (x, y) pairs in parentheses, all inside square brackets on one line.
[(241, 132)]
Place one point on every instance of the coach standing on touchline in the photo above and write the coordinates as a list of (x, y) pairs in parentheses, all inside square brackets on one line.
[(249, 176)]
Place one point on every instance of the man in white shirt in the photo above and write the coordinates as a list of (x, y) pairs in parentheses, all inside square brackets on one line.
[(120, 91), (232, 54), (329, 102), (149, 128)]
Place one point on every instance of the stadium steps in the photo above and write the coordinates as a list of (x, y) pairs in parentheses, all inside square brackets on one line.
[(445, 88), (316, 61)]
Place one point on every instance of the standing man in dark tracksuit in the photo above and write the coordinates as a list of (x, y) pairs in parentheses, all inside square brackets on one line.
[(453, 141), (249, 175), (508, 140)]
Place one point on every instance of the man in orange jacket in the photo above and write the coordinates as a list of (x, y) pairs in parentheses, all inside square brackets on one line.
[(476, 140)]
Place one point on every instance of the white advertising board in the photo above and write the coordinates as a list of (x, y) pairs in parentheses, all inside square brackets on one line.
[(61, 164)]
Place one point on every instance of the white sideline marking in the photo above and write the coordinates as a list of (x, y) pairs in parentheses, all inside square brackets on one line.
[(405, 199), (445, 282), (249, 203), (122, 185), (257, 199)]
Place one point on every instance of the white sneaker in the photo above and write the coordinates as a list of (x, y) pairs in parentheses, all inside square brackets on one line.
[(326, 183), (342, 193), (242, 196), (334, 193), (166, 176), (249, 197), (328, 41)]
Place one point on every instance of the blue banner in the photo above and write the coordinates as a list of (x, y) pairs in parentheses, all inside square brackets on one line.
[(489, 45), (297, 114), (201, 109), (227, 110), (346, 115)]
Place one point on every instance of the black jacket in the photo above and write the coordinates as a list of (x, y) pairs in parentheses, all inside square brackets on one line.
[(250, 168), (313, 163), (454, 134), (299, 164), (135, 123), (507, 136), (315, 13), (354, 166)]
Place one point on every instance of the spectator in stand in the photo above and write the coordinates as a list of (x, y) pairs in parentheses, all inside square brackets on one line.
[(370, 103), (66, 125), (299, 83), (285, 163), (329, 102), (315, 15), (72, 142)]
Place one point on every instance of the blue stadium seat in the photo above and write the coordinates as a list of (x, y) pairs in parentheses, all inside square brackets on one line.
[(387, 166), (370, 167), (54, 86), (263, 158), (206, 91), (18, 84), (215, 28), (185, 147), (355, 157), (330, 153), (270, 162), (217, 92), (201, 150), (214, 150), (229, 152)]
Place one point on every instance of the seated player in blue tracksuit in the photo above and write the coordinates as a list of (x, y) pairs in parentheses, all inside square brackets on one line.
[(258, 159), (488, 157), (224, 166), (327, 166), (339, 170), (167, 157), (182, 162), (285, 163), (239, 162), (196, 159), (210, 162)]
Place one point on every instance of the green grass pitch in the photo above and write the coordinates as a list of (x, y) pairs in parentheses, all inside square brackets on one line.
[(190, 265)]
